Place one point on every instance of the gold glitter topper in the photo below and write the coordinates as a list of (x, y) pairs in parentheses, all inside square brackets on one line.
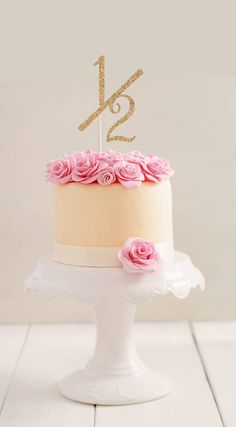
[(112, 104)]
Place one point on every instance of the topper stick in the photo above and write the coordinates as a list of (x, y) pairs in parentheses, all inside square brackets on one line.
[(100, 133)]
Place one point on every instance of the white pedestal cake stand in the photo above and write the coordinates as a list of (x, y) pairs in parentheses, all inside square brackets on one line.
[(115, 374)]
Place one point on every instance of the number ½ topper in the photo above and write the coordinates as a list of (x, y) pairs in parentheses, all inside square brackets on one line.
[(111, 103)]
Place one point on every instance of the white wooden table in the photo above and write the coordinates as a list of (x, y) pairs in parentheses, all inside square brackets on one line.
[(199, 357)]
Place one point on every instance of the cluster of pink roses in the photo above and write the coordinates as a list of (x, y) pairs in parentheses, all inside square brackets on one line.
[(129, 169)]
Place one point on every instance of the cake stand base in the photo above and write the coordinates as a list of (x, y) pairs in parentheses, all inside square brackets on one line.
[(115, 375), (83, 386)]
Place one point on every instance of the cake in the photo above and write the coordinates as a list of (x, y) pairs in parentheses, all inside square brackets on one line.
[(103, 202)]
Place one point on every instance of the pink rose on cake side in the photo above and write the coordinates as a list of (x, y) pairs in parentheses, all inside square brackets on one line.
[(86, 169), (139, 256), (156, 169), (128, 174), (106, 176), (60, 171)]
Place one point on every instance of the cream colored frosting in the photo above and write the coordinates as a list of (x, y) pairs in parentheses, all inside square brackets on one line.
[(106, 216)]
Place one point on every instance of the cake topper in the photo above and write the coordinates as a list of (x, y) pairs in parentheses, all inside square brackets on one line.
[(112, 104)]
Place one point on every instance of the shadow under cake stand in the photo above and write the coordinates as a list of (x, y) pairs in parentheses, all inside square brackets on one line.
[(115, 374)]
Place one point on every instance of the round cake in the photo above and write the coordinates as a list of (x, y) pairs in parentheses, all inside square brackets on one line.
[(102, 200)]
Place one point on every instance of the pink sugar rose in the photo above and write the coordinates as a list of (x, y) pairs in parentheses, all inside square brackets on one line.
[(75, 156), (139, 256), (125, 156), (137, 155), (157, 169), (88, 152), (113, 156), (152, 156), (128, 174), (101, 155), (86, 169), (78, 154), (60, 171), (106, 176)]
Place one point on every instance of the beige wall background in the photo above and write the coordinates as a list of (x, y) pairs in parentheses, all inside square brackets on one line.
[(185, 110)]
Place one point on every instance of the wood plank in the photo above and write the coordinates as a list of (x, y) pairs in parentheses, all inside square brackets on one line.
[(51, 352), (217, 345), (169, 348), (11, 343)]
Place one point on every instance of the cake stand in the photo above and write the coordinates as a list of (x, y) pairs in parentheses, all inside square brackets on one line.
[(115, 374)]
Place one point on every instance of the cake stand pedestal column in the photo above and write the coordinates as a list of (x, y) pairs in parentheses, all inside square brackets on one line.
[(115, 374)]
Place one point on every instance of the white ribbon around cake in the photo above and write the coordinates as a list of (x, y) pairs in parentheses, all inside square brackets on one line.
[(99, 256)]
